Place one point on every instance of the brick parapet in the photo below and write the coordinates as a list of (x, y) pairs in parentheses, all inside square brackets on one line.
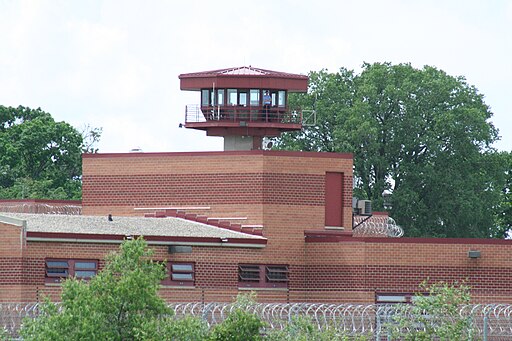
[(390, 265)]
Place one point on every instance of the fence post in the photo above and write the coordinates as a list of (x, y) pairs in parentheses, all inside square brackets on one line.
[(377, 332), (486, 323)]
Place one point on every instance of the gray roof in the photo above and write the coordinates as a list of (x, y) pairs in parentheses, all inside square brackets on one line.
[(168, 227)]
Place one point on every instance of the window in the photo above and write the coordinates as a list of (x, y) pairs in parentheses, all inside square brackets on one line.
[(180, 274), (220, 96), (273, 94), (232, 97), (60, 269), (262, 276), (205, 97), (281, 98), (255, 97), (393, 298), (243, 98), (249, 273)]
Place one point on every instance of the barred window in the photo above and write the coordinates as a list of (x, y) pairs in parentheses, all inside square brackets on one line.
[(57, 270), (262, 276), (249, 273), (276, 273)]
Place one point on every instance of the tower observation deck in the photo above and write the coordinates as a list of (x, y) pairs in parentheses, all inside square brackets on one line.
[(243, 104)]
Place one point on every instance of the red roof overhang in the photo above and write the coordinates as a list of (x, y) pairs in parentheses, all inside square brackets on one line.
[(244, 78), (78, 237)]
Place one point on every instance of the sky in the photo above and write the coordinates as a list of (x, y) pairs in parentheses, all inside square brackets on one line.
[(115, 64)]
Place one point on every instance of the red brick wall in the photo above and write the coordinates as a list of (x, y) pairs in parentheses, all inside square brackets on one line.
[(283, 191), (385, 265), (11, 262), (353, 270), (228, 182), (216, 270)]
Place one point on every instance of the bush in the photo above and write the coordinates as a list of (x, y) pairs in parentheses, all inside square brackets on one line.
[(240, 325), (434, 316)]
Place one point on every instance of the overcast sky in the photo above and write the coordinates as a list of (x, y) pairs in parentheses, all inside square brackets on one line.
[(115, 64)]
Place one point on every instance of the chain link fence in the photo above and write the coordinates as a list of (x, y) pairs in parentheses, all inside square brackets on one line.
[(489, 322)]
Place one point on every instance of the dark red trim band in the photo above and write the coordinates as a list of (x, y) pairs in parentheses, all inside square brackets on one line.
[(56, 235), (228, 153), (313, 236)]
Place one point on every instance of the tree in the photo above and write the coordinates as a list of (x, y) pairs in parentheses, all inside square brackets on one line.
[(435, 316), (240, 325), (421, 133), (504, 209), (120, 303), (41, 158)]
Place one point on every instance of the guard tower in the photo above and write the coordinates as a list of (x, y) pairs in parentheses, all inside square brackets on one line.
[(243, 104)]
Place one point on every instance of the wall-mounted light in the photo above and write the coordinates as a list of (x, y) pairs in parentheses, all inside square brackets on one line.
[(224, 240), (474, 254)]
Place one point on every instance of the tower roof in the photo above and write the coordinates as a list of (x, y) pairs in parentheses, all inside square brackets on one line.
[(244, 77)]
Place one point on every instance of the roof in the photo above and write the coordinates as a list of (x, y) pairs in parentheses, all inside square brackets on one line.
[(244, 77), (242, 70), (48, 224)]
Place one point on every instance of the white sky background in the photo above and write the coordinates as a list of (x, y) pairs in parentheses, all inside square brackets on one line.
[(115, 64)]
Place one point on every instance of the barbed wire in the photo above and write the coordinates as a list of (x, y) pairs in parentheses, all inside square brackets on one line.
[(377, 226), (352, 319)]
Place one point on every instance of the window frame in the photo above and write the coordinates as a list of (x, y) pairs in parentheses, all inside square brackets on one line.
[(396, 297), (283, 103), (263, 280), (169, 281), (231, 93), (255, 102), (205, 97), (71, 269)]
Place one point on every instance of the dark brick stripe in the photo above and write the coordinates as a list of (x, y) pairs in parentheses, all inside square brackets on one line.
[(204, 189)]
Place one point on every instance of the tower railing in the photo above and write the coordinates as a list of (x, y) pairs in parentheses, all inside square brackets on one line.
[(196, 114)]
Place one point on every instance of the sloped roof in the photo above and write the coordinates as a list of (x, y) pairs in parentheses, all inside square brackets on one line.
[(244, 77), (242, 70), (124, 226)]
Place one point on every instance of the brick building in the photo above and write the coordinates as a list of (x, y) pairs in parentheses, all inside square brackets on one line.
[(280, 223)]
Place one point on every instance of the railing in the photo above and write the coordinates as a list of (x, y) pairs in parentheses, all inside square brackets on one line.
[(194, 114), (488, 321)]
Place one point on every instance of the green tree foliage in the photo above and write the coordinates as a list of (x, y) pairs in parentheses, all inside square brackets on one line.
[(240, 325), (41, 158), (504, 209), (120, 303), (420, 132), (435, 316)]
